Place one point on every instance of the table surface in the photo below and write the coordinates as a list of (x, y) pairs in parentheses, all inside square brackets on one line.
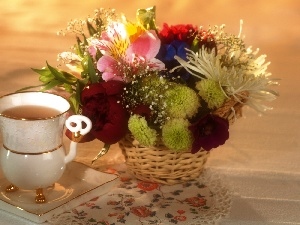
[(261, 158)]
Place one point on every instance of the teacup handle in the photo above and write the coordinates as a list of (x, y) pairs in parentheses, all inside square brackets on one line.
[(74, 124)]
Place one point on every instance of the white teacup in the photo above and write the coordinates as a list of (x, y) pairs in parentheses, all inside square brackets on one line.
[(33, 156)]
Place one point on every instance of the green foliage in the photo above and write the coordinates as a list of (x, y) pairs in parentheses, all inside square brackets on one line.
[(52, 77), (62, 76), (91, 29), (147, 17)]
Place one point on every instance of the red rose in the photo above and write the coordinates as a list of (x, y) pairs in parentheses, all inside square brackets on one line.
[(101, 104)]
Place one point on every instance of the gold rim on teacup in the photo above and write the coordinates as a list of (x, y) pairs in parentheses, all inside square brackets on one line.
[(31, 153), (39, 118)]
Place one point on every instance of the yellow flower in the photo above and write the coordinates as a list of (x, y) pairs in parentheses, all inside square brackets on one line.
[(133, 30)]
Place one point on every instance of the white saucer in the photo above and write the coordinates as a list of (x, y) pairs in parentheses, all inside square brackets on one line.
[(78, 184)]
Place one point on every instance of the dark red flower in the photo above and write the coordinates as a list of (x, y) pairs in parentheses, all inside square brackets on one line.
[(101, 104), (142, 110), (209, 132)]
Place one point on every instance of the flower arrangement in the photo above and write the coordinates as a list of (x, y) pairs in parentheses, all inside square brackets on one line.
[(181, 85)]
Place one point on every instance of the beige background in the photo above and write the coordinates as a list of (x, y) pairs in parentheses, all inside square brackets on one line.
[(261, 158), (269, 143)]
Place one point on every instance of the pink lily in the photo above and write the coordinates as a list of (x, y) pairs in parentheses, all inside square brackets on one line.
[(121, 57)]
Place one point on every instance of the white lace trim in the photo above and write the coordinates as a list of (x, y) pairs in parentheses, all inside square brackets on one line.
[(97, 211)]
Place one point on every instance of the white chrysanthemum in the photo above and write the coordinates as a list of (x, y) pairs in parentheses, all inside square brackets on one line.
[(245, 73), (202, 64)]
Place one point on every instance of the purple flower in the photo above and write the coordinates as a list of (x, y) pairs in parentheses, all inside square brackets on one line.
[(209, 132)]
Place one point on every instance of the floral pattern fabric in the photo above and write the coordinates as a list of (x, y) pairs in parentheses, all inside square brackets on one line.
[(203, 201)]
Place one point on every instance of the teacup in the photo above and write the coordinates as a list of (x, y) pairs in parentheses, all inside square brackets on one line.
[(33, 156)]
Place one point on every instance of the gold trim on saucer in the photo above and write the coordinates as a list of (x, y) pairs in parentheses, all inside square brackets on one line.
[(32, 153), (40, 197), (11, 188), (76, 183)]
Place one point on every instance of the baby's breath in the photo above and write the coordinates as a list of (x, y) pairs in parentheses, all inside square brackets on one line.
[(99, 20)]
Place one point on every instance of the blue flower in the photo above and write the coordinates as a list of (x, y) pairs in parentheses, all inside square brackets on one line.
[(166, 55)]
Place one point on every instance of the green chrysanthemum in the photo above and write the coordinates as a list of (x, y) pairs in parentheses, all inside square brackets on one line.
[(139, 128), (181, 102), (211, 92), (176, 135)]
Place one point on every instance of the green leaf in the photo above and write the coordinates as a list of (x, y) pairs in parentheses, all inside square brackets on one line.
[(59, 75), (30, 87), (91, 29), (43, 72), (68, 88), (74, 103), (52, 84), (79, 87), (79, 48), (85, 42), (46, 78), (69, 77), (84, 65), (147, 17), (91, 70), (98, 54), (195, 45)]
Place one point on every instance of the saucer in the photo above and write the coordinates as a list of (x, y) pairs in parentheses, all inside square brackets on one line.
[(78, 184)]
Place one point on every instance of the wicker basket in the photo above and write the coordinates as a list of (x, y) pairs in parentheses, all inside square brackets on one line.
[(159, 164)]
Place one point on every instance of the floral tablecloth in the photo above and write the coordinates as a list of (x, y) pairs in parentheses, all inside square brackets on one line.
[(203, 201)]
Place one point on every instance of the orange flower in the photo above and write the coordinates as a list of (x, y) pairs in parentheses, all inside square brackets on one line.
[(180, 211), (147, 186), (196, 201), (180, 218), (140, 211), (125, 178)]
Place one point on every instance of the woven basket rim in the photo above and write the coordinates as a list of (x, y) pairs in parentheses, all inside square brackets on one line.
[(161, 165)]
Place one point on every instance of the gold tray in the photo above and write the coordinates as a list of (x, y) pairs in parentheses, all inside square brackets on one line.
[(78, 184)]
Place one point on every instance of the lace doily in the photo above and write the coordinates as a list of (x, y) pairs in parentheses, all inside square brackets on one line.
[(203, 201)]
